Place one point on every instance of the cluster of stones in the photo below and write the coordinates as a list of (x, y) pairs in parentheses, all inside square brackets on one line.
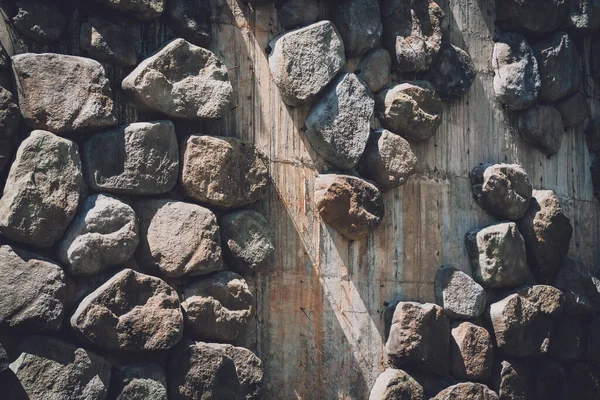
[(125, 243), (522, 323), (391, 42), (541, 82)]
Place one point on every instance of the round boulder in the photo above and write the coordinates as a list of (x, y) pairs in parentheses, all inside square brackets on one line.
[(393, 384), (452, 73), (467, 391)]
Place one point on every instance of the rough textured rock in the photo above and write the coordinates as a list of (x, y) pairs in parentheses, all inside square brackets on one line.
[(375, 69), (513, 380), (523, 321), (103, 233), (467, 391), (219, 307), (583, 15), (145, 10), (547, 233), (581, 295), (528, 15), (458, 293), (105, 41), (592, 338), (144, 159), (584, 381), (351, 205), (305, 60), (248, 241), (559, 66), (33, 290), (338, 124), (497, 255), (41, 21), (542, 127), (419, 338), (567, 341), (130, 312), (62, 93), (471, 352), (182, 81), (4, 360), (191, 20), (452, 72), (139, 382), (502, 190), (412, 31), (224, 172), (39, 214), (296, 13), (178, 239), (573, 109), (359, 24), (551, 382), (388, 160), (52, 369), (393, 384), (412, 110), (249, 369), (10, 115), (517, 79)]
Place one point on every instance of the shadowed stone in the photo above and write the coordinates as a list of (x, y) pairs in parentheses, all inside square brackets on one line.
[(567, 341), (10, 117), (592, 135), (359, 24), (530, 15), (573, 109), (139, 382), (583, 15), (393, 384), (467, 391), (581, 294), (551, 382), (296, 13), (584, 381), (145, 10), (458, 293), (592, 338), (471, 352), (452, 72), (542, 127), (191, 20), (41, 21), (375, 69), (4, 360), (105, 41), (513, 380), (595, 172)]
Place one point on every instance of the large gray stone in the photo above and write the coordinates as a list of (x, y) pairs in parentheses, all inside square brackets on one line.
[(567, 342), (412, 110), (393, 384), (178, 239), (225, 172), (145, 10), (531, 15), (104, 41), (141, 159), (452, 72), (573, 109), (513, 380), (182, 81), (375, 69), (297, 13), (498, 256), (338, 124), (502, 190), (359, 24), (581, 294), (55, 370), (517, 79), (219, 307), (139, 382), (350, 205), (130, 312), (459, 295), (583, 15), (542, 127), (61, 93), (467, 391), (104, 233), (305, 60), (42, 190), (191, 20), (471, 352), (33, 290), (41, 21), (551, 382)]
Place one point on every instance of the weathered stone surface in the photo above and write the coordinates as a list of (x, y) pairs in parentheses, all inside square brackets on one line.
[(583, 16), (393, 384), (139, 382), (531, 15), (412, 110), (103, 233), (559, 66), (523, 321), (547, 233), (388, 160), (471, 352), (305, 60), (145, 10), (592, 135), (191, 20), (33, 290), (248, 241), (182, 81), (452, 72), (41, 21), (584, 381), (542, 127), (467, 391), (502, 190), (338, 124), (10, 116), (4, 360), (551, 382), (225, 172), (249, 369), (497, 255), (592, 338), (38, 214), (517, 79), (178, 239), (144, 159), (219, 307), (375, 69), (296, 13), (62, 93), (351, 205), (359, 25), (412, 31), (513, 380), (575, 281), (51, 369), (419, 338), (104, 41), (458, 293), (130, 312), (567, 341), (573, 109)]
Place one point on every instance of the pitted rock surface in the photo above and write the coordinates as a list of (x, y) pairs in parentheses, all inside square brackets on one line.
[(452, 72), (139, 382), (514, 380), (41, 21), (471, 352), (459, 295), (145, 10), (394, 384), (467, 391), (375, 69), (359, 24), (541, 126), (297, 13), (10, 116), (104, 41)]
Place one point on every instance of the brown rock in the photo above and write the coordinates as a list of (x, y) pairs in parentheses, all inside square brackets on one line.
[(471, 352), (393, 384), (513, 380), (467, 391)]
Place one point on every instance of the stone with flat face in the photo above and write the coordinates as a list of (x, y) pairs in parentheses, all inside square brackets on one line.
[(375, 69), (452, 73), (471, 352), (459, 295), (467, 391), (394, 384), (359, 24), (513, 380), (104, 41), (541, 126)]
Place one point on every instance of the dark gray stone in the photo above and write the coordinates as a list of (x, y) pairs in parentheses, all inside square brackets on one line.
[(592, 133), (471, 352), (575, 281), (539, 16), (584, 381), (139, 382), (513, 380), (41, 21), (551, 382), (297, 13), (104, 41), (191, 20), (573, 109), (359, 24), (393, 384), (467, 391), (375, 69), (4, 360), (592, 341), (10, 116), (583, 15), (595, 172), (145, 10), (567, 341), (452, 73), (542, 127), (249, 369), (459, 295)]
